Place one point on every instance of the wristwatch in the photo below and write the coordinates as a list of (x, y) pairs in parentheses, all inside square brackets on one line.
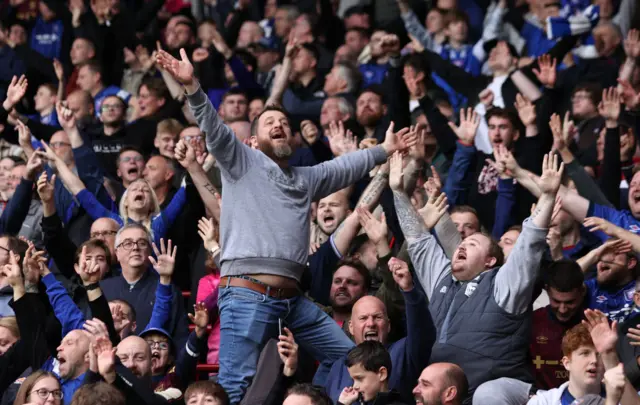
[(93, 286)]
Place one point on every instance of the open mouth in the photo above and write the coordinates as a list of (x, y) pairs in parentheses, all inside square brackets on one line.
[(277, 134), (371, 335), (138, 198), (462, 255), (132, 171), (342, 293), (592, 372), (328, 220), (61, 360)]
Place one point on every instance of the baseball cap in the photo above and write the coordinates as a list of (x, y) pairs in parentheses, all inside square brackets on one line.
[(161, 331)]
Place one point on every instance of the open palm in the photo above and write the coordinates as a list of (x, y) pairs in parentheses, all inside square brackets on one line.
[(181, 70)]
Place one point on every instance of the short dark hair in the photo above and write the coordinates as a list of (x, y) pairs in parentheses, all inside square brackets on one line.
[(99, 393), (209, 388), (594, 90), (254, 123), (93, 243), (235, 91), (94, 66), (360, 268), (371, 355), (156, 86), (495, 250), (456, 16), (465, 209), (316, 394), (419, 63), (17, 246), (506, 113), (313, 50), (564, 276), (356, 10), (362, 31)]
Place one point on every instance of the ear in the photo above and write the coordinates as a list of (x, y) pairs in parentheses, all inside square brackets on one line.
[(632, 262), (156, 142), (516, 135), (383, 374), (450, 394), (490, 262), (350, 327), (566, 362), (162, 101), (76, 268), (134, 326), (168, 175)]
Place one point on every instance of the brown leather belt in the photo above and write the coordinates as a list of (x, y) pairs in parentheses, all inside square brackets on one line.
[(278, 293)]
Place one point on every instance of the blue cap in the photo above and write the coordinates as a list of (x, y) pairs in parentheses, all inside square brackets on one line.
[(157, 330)]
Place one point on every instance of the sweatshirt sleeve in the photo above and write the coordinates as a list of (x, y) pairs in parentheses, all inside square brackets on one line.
[(458, 182), (233, 157), (329, 177), (162, 222), (514, 283), (430, 262), (421, 332), (504, 207), (64, 308)]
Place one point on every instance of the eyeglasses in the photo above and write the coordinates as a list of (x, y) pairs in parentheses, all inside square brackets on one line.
[(160, 345), (44, 393), (128, 159), (4, 249), (190, 138), (129, 244), (102, 234), (112, 107), (57, 145)]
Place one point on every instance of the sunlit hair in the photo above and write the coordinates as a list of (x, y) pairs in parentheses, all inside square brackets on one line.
[(11, 324), (99, 393), (575, 338), (124, 209)]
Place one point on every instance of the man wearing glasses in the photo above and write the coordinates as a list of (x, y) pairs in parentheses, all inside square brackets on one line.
[(137, 283), (113, 136)]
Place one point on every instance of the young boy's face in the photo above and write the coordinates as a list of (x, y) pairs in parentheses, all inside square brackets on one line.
[(458, 30), (368, 383), (166, 143), (585, 366)]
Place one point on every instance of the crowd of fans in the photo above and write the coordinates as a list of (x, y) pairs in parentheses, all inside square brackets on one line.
[(316, 202)]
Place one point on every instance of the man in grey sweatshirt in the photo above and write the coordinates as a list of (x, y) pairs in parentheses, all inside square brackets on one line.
[(264, 231), (480, 307)]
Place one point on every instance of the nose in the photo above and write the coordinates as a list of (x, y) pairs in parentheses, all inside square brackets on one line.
[(416, 390)]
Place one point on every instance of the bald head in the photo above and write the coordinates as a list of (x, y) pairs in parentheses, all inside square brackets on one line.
[(443, 383), (135, 354), (73, 354), (369, 320)]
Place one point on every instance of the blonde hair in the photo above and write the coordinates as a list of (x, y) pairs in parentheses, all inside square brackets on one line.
[(11, 324), (124, 209), (170, 125)]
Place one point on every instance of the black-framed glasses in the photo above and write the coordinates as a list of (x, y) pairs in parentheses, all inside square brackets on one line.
[(129, 244), (4, 249), (160, 345), (43, 393), (102, 234)]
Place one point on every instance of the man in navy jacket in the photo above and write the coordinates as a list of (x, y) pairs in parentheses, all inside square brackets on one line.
[(369, 321)]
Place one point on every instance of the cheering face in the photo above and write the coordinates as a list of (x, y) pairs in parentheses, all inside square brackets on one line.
[(347, 287), (508, 241), (133, 249), (274, 136), (139, 196), (332, 210), (160, 352), (471, 257), (501, 132), (72, 354), (134, 353), (130, 166), (369, 321), (44, 99), (614, 268), (6, 165)]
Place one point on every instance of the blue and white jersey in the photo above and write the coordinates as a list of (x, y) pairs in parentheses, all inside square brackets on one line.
[(617, 305)]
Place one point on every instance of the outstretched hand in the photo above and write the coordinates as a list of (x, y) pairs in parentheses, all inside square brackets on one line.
[(181, 70), (469, 122)]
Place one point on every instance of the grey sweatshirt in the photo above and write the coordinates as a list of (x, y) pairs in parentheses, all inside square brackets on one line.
[(264, 225)]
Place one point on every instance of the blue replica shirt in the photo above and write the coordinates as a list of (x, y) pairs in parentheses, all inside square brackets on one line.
[(567, 398), (464, 59), (622, 218), (49, 119), (372, 73), (106, 92), (46, 38), (617, 305)]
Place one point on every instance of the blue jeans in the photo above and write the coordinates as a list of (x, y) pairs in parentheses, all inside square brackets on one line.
[(249, 319)]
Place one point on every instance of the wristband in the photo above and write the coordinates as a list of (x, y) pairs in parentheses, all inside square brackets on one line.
[(91, 287)]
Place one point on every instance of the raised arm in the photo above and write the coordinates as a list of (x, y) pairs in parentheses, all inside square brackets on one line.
[(164, 266), (281, 80), (232, 156), (515, 281)]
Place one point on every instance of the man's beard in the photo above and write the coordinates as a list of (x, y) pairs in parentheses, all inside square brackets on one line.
[(282, 151), (369, 119)]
